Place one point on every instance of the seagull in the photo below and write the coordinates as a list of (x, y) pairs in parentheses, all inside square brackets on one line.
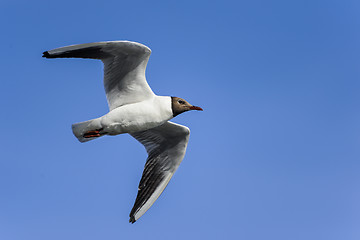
[(136, 110)]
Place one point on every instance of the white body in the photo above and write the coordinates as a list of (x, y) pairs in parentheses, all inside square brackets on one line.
[(128, 118), (137, 116)]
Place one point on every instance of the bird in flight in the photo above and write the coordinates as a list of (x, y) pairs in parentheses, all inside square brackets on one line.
[(136, 110)]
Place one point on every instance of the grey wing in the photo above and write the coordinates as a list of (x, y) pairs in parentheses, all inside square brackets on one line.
[(124, 68), (166, 147)]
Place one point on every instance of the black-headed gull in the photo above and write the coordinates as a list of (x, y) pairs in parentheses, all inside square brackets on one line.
[(136, 110)]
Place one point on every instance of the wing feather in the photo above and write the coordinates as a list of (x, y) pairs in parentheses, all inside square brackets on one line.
[(124, 68), (166, 147)]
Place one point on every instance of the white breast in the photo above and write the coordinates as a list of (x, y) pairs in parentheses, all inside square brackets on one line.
[(138, 116)]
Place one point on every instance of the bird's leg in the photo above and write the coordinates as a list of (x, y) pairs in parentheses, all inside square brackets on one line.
[(93, 133)]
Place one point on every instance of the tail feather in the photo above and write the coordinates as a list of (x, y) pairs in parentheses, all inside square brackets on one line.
[(82, 129)]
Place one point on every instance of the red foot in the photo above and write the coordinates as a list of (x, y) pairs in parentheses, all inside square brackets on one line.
[(94, 133)]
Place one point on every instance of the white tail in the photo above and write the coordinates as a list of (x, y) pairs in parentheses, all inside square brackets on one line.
[(79, 129)]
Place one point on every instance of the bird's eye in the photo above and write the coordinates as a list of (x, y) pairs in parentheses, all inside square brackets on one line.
[(181, 102)]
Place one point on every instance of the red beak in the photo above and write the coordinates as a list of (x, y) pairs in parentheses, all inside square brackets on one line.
[(196, 108)]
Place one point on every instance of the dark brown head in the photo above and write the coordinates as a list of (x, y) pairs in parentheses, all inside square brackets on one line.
[(180, 105)]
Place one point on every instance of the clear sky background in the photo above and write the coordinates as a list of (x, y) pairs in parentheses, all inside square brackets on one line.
[(275, 154)]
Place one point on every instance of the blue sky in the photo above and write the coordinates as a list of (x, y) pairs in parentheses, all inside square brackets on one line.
[(275, 154)]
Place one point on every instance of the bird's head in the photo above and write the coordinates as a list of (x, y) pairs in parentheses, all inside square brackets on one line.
[(180, 105)]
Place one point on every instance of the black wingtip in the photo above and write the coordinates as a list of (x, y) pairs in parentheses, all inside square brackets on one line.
[(46, 54), (132, 220)]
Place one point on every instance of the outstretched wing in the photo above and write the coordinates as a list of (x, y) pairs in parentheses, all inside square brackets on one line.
[(166, 147), (124, 68)]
